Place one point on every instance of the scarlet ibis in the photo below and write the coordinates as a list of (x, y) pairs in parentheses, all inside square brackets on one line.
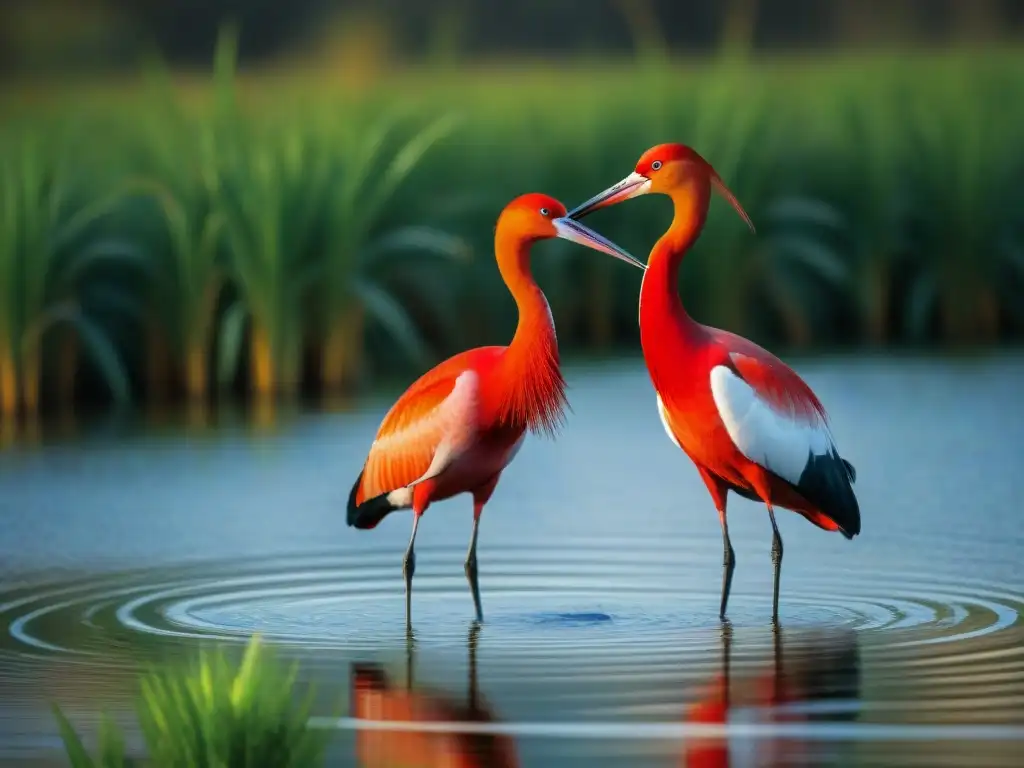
[(375, 697), (746, 420), (461, 423)]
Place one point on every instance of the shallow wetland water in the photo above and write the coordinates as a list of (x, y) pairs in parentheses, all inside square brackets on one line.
[(600, 565)]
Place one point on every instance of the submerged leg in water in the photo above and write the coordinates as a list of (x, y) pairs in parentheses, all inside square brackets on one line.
[(480, 498), (409, 566)]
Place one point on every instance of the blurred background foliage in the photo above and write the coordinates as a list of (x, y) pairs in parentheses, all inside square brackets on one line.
[(204, 199)]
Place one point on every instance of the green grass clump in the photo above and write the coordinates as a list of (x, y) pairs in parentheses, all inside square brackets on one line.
[(279, 234), (213, 715)]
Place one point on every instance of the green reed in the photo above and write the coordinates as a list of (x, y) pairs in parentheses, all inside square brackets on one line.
[(285, 234), (53, 252), (212, 714)]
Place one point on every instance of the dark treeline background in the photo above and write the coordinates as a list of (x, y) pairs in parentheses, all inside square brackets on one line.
[(60, 34)]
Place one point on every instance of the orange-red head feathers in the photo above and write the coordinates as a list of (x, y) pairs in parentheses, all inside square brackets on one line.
[(536, 395), (534, 216), (656, 158)]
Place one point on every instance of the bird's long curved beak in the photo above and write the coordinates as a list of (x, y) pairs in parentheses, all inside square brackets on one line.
[(637, 184), (568, 229), (632, 186)]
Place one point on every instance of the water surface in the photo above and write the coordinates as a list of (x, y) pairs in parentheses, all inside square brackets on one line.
[(600, 567)]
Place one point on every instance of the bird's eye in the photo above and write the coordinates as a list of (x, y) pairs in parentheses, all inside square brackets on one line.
[(656, 165), (545, 212)]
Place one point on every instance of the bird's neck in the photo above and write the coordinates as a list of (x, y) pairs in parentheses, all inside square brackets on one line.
[(661, 308), (534, 393)]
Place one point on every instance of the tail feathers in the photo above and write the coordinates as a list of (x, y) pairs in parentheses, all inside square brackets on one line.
[(827, 482), (368, 514)]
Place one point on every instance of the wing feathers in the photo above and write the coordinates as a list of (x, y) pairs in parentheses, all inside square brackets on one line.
[(421, 437), (770, 432), (784, 431), (779, 387)]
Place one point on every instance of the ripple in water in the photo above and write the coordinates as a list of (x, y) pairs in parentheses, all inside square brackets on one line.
[(597, 643)]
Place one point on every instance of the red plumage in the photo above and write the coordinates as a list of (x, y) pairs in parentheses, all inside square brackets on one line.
[(745, 418), (457, 427), (774, 381)]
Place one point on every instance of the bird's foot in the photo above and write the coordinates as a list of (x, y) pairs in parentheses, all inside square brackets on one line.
[(722, 609)]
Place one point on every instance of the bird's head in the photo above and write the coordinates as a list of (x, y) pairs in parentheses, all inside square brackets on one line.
[(535, 216), (667, 169)]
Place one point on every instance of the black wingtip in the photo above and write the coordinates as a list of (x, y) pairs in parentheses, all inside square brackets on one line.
[(846, 514), (827, 482), (848, 518), (368, 514), (352, 513)]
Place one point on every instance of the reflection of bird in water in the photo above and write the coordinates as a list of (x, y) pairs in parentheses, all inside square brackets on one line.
[(375, 697), (825, 667)]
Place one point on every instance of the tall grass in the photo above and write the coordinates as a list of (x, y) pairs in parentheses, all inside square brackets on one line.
[(176, 161), (52, 251), (288, 236), (360, 248)]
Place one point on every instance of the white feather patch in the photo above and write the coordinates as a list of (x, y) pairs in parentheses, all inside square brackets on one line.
[(781, 443), (663, 415), (400, 497)]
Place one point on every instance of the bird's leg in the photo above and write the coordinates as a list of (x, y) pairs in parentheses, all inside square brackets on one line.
[(471, 566), (776, 562), (481, 496), (409, 567), (719, 494), (728, 565)]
